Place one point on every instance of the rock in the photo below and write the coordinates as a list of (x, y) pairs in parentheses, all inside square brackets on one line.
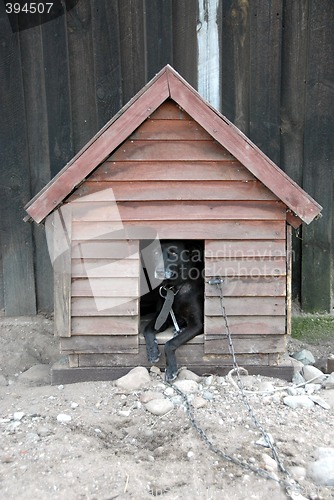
[(36, 375), (187, 386), (269, 463), (298, 379), (147, 396), (329, 382), (298, 402), (312, 388), (305, 356), (208, 395), (43, 431), (136, 378), (322, 471), (186, 374), (3, 381), (311, 373), (297, 365), (319, 401), (159, 407), (124, 413), (155, 370), (199, 402), (63, 418), (263, 441), (18, 415), (298, 473), (324, 452), (32, 437)]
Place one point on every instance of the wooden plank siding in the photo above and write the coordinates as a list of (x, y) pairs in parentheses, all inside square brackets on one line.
[(172, 178)]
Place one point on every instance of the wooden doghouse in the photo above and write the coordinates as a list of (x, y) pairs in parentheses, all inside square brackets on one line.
[(169, 166)]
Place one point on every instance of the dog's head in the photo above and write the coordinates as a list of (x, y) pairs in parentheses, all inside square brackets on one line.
[(175, 263)]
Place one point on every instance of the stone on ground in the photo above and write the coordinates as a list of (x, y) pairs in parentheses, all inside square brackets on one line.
[(136, 378)]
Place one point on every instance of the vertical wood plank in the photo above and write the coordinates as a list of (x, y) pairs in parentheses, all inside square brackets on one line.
[(38, 138), (132, 43), (288, 278), (265, 75), (317, 244), (158, 25), (62, 224), (293, 94), (236, 63), (81, 64), (16, 236), (185, 40), (107, 59), (56, 67)]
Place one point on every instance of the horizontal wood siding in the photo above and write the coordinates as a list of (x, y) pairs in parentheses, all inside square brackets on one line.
[(105, 290), (170, 179)]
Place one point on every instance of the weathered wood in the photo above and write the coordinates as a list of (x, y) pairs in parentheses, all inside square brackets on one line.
[(317, 245), (141, 150), (159, 35), (105, 287), (245, 306), (61, 374), (170, 130), (265, 75), (244, 150), (122, 344), (184, 34), (180, 229), (161, 210), (244, 249), (18, 284), (259, 344), (288, 279), (236, 62), (57, 91), (132, 47), (250, 267), (62, 226), (169, 110), (103, 143), (107, 59), (105, 268), (105, 249), (33, 78), (247, 286), (171, 171), (106, 325), (245, 325), (173, 190), (82, 90), (104, 306)]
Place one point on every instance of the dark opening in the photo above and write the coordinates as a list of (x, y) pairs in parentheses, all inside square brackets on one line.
[(192, 255)]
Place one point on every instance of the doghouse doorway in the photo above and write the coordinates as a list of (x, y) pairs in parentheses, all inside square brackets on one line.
[(149, 286)]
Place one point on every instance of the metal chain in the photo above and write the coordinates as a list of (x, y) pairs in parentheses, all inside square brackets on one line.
[(289, 484)]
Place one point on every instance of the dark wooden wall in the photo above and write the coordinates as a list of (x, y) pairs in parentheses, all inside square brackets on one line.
[(62, 80)]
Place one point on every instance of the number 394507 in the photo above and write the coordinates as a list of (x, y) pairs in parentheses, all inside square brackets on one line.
[(29, 8)]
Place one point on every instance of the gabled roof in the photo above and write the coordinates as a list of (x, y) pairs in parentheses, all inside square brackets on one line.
[(168, 84)]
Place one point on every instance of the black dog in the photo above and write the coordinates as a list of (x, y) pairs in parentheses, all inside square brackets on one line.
[(179, 266)]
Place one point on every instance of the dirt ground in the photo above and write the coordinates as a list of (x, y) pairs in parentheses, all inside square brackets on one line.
[(113, 447)]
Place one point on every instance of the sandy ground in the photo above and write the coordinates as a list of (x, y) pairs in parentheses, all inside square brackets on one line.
[(111, 446)]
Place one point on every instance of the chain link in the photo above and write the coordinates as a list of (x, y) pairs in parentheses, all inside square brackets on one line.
[(289, 484)]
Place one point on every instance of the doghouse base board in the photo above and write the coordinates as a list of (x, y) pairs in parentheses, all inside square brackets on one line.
[(61, 373)]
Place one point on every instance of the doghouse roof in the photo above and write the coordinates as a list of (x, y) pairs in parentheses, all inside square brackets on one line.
[(168, 84)]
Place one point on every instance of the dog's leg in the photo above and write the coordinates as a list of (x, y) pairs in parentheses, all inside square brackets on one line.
[(152, 349), (187, 334)]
